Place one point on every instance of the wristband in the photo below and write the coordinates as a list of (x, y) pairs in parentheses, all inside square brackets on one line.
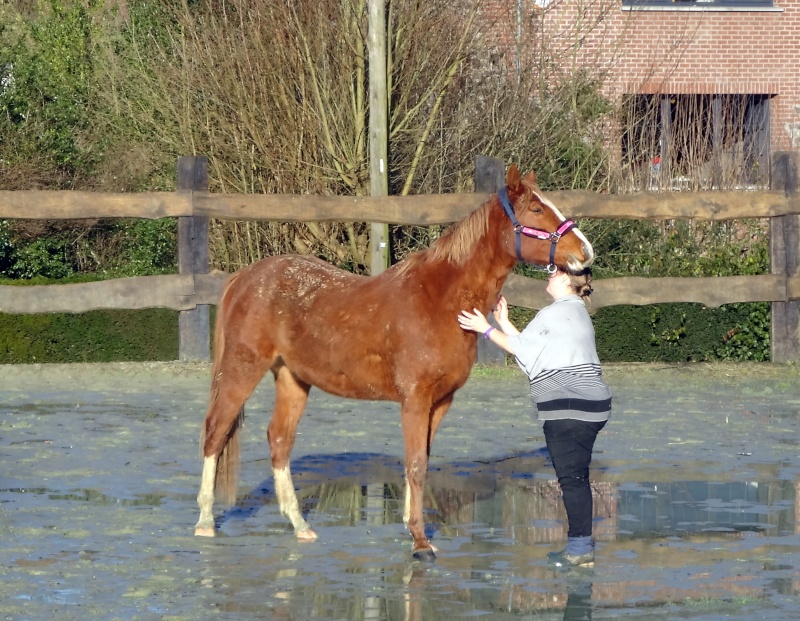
[(488, 332)]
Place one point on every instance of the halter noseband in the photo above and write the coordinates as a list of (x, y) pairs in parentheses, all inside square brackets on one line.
[(519, 230)]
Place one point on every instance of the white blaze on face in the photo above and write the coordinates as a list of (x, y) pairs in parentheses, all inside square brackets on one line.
[(587, 247)]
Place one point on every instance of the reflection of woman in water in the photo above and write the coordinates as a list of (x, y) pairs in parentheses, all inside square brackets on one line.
[(557, 351), (579, 602)]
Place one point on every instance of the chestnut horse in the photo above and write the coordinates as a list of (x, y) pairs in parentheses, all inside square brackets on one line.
[(391, 337)]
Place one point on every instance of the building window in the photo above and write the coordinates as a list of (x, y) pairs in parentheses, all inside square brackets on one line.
[(695, 142), (697, 4)]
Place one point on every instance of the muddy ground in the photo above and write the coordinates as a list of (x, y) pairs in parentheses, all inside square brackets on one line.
[(696, 483)]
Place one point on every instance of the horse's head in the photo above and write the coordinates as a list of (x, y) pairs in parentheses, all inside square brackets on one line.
[(540, 234)]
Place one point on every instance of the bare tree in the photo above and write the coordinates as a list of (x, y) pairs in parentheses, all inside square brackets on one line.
[(276, 95)]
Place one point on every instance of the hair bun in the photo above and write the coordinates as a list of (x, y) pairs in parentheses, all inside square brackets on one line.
[(581, 282)]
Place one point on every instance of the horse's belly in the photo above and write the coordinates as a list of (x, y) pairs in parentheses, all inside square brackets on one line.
[(365, 380), (343, 386)]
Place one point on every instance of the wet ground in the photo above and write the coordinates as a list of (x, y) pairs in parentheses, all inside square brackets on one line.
[(696, 481)]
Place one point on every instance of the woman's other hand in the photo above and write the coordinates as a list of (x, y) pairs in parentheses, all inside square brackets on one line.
[(474, 321)]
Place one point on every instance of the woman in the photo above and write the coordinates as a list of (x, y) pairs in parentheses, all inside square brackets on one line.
[(557, 352)]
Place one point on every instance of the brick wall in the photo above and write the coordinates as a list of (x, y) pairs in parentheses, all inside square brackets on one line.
[(669, 51)]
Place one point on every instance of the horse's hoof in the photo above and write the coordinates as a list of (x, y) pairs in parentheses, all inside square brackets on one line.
[(306, 535), (204, 531), (426, 555)]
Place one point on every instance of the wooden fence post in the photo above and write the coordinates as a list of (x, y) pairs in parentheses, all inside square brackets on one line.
[(489, 177), (193, 325), (785, 259)]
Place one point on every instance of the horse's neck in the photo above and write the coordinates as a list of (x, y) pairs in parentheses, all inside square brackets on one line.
[(482, 275), (474, 280)]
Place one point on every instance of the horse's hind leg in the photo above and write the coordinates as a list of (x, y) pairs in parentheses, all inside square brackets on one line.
[(231, 387), (291, 396), (205, 498)]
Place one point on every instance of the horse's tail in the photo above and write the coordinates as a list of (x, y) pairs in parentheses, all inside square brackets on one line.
[(227, 476)]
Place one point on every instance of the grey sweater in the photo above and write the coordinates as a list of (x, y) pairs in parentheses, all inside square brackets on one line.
[(558, 354)]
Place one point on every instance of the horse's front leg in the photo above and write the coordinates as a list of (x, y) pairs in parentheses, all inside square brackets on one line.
[(291, 396), (437, 414), (416, 416)]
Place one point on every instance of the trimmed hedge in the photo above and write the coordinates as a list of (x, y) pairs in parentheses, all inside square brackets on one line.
[(677, 332), (96, 336), (683, 333), (665, 333)]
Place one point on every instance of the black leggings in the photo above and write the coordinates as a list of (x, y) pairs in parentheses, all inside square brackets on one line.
[(570, 443)]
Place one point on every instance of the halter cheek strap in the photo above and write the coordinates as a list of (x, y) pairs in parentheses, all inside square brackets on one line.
[(519, 230)]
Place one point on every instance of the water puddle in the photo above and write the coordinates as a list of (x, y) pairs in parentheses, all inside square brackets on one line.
[(97, 509), (684, 549), (686, 507)]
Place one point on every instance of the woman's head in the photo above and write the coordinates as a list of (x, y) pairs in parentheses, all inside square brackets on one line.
[(562, 283)]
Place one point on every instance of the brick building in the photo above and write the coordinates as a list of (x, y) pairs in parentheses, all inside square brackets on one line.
[(726, 72)]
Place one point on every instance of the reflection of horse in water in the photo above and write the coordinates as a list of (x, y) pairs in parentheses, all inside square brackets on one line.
[(500, 519), (489, 512), (390, 337)]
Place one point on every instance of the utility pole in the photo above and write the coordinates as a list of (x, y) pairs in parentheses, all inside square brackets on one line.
[(378, 130), (378, 186)]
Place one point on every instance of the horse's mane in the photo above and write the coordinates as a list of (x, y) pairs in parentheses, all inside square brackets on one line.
[(458, 241)]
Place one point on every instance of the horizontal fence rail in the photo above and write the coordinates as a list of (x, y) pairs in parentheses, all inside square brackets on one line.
[(419, 209), (188, 291), (184, 292)]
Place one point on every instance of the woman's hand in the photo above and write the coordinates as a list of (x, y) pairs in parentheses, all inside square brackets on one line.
[(500, 311), (474, 321)]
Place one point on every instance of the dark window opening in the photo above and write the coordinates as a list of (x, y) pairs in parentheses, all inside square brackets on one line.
[(708, 4), (695, 142)]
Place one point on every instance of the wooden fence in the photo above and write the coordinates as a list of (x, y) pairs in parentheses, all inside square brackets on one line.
[(193, 289)]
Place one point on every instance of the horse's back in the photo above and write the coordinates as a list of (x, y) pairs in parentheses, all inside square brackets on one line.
[(355, 336), (314, 318), (293, 278)]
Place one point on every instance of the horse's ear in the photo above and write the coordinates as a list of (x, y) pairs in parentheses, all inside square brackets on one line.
[(531, 177), (513, 177)]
